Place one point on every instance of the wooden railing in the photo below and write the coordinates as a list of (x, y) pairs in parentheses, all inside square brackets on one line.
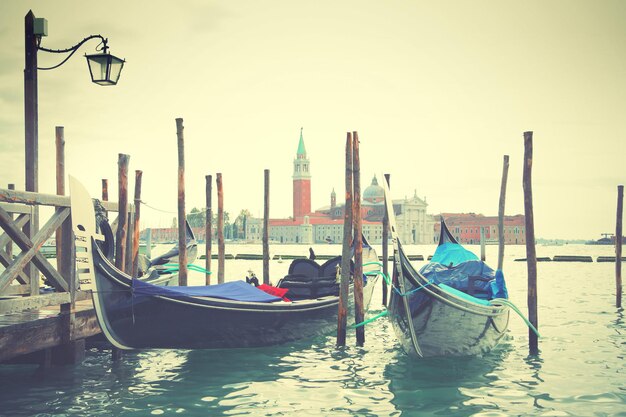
[(20, 245)]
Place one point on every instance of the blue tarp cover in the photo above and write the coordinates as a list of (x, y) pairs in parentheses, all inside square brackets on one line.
[(452, 253), (236, 290), (452, 265)]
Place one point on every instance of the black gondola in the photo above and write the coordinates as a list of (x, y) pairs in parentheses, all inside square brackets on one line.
[(455, 305), (134, 314)]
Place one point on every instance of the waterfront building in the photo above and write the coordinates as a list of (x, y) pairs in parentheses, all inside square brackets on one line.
[(466, 228)]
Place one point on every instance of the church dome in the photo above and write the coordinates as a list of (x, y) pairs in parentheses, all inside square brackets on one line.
[(374, 193)]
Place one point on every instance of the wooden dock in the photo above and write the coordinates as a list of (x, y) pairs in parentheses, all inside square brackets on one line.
[(47, 335), (41, 324)]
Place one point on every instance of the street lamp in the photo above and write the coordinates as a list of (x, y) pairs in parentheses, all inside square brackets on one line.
[(104, 68)]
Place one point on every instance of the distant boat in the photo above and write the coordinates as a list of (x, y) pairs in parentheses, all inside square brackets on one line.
[(608, 239)]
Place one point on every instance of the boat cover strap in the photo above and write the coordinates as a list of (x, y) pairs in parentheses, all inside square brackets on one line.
[(236, 290)]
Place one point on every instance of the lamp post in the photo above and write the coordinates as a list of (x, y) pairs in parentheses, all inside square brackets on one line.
[(105, 69)]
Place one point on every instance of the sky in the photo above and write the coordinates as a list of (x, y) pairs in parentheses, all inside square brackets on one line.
[(438, 91)]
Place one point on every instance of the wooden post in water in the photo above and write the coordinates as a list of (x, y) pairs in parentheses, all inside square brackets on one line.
[(122, 216), (60, 177), (531, 254), (483, 256), (359, 313), (182, 228), (342, 313), (505, 174), (137, 224), (128, 262), (148, 243), (208, 231), (385, 246), (105, 189), (220, 229), (71, 351), (618, 246), (64, 242), (266, 228)]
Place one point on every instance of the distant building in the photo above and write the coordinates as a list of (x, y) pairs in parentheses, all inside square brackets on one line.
[(325, 225), (466, 228)]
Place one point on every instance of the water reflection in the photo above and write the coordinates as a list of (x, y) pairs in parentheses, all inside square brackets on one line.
[(447, 385)]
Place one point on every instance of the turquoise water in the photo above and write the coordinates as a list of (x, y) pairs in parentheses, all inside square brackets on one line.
[(580, 370)]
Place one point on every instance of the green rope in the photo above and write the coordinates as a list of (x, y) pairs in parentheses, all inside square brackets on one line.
[(175, 267), (363, 323), (519, 313)]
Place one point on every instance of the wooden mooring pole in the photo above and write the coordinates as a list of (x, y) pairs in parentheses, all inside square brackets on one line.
[(342, 313), (531, 254), (136, 223), (72, 351), (386, 245), (505, 174), (483, 255), (122, 215), (208, 231), (220, 229), (359, 313), (105, 189), (266, 228), (618, 246), (182, 228)]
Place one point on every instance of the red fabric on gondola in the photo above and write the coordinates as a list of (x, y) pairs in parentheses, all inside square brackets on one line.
[(278, 292)]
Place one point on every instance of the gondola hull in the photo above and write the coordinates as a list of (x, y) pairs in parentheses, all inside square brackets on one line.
[(445, 325), (135, 321)]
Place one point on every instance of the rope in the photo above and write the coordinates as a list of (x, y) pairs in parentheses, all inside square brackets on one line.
[(519, 313), (175, 267), (363, 323)]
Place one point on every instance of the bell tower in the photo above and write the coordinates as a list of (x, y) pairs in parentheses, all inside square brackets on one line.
[(301, 182)]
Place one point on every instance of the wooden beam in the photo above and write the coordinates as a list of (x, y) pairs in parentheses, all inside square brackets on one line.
[(32, 336), (16, 208), (30, 249), (39, 199), (6, 260), (18, 304), (19, 223)]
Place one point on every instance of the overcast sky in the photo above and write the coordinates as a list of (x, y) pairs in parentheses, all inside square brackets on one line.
[(438, 91)]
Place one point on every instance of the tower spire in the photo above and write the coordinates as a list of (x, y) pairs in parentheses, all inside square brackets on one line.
[(301, 154)]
